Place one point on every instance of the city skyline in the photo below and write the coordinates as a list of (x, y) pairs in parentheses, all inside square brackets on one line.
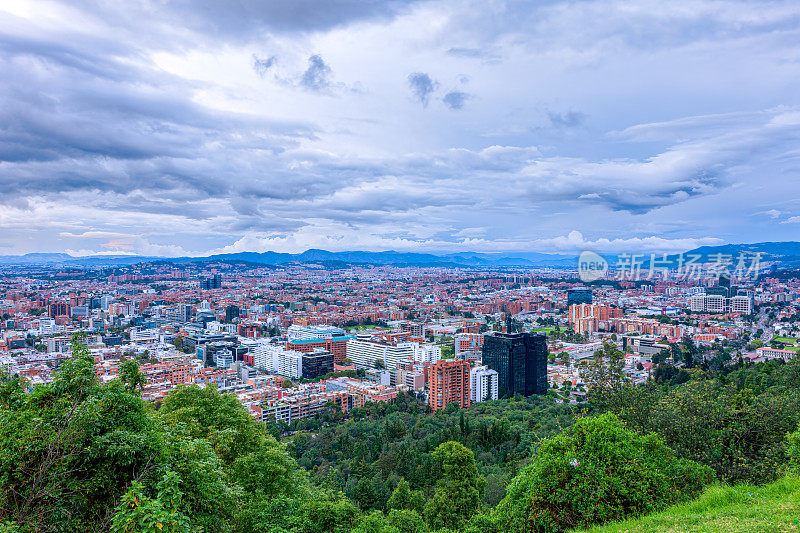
[(430, 126)]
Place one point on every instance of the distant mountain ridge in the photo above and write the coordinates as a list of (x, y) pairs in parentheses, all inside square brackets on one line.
[(388, 257), (785, 253)]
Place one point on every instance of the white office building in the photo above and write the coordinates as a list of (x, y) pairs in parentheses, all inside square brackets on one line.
[(364, 353), (741, 304), (276, 359), (427, 353), (223, 358), (304, 333), (715, 303), (289, 364), (48, 326), (483, 384)]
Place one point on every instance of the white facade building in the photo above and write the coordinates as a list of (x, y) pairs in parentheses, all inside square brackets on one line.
[(364, 353), (715, 303), (427, 353), (289, 364), (741, 304), (304, 333), (483, 384)]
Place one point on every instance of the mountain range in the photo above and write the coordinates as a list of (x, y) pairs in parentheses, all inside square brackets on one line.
[(786, 254)]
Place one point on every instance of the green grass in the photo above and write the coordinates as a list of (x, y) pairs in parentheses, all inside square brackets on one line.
[(740, 508), (784, 340)]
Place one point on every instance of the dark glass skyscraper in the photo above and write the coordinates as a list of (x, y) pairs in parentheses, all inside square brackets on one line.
[(579, 295), (214, 282), (520, 360), (231, 312), (317, 363)]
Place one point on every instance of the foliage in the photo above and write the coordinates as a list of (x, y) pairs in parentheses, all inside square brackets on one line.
[(130, 375), (459, 489), (405, 498), (596, 471), (219, 418), (395, 441), (70, 448), (793, 446), (736, 422), (77, 455), (605, 377), (138, 513)]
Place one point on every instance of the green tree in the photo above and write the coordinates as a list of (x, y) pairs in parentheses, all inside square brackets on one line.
[(404, 498), (793, 446), (605, 378), (595, 472), (458, 490), (130, 374), (69, 448), (219, 418), (138, 513)]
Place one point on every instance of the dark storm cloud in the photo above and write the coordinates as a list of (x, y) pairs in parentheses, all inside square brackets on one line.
[(317, 75), (421, 86), (75, 120), (455, 99)]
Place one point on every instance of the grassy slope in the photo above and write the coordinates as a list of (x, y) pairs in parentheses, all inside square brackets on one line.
[(741, 508)]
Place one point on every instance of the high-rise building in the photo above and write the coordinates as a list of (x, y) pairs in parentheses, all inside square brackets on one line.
[(184, 312), (590, 318), (214, 282), (579, 295), (58, 309), (427, 353), (231, 312), (449, 382), (317, 363), (520, 360), (483, 384)]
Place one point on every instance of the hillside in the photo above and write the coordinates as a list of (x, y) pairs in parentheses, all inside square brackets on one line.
[(785, 253), (740, 508)]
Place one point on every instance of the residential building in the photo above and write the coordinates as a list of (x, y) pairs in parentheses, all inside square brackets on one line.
[(448, 383), (483, 384)]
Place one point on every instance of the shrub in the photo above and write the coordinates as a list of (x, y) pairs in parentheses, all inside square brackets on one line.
[(793, 447), (597, 471)]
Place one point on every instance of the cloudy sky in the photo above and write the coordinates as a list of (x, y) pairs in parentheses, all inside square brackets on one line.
[(183, 128)]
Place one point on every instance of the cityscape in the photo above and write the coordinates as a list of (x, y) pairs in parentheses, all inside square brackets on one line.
[(413, 266)]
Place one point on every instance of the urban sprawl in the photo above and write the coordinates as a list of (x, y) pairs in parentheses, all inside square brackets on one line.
[(295, 342)]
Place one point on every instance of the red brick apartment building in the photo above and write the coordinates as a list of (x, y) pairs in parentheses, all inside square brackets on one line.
[(449, 382)]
